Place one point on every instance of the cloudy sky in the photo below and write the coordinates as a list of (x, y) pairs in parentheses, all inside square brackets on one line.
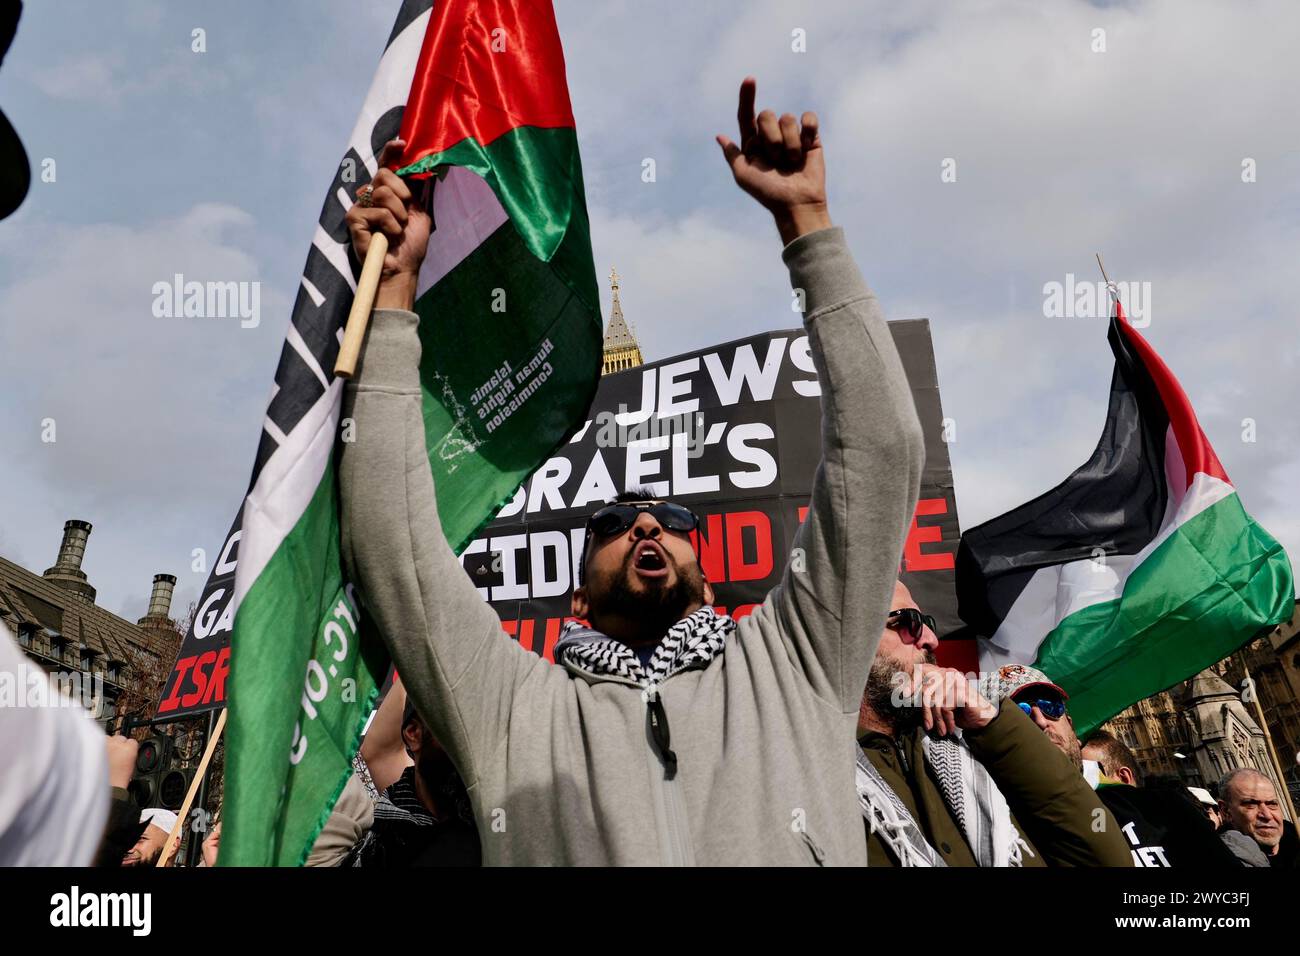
[(214, 165)]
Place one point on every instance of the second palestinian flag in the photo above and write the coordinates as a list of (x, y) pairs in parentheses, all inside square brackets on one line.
[(1139, 569)]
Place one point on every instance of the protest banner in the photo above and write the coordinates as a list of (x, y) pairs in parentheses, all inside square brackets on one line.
[(734, 433)]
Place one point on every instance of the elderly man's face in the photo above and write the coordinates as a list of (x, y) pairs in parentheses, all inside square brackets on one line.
[(1251, 806), (146, 849)]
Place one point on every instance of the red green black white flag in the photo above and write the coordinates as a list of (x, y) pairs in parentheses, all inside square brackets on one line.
[(511, 336), (1139, 569)]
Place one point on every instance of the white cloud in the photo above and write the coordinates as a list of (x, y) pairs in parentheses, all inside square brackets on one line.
[(112, 80), (95, 76), (690, 283), (156, 419)]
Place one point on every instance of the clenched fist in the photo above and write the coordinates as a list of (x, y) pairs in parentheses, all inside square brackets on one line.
[(394, 212)]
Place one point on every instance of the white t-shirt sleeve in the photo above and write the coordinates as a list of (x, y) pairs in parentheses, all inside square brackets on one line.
[(54, 791)]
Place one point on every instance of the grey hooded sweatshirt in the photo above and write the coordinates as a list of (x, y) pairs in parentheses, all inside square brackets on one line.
[(561, 765)]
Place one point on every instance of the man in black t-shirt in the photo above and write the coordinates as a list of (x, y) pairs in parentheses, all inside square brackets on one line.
[(1164, 827)]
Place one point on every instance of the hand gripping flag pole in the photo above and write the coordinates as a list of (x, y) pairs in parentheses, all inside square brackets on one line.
[(354, 332)]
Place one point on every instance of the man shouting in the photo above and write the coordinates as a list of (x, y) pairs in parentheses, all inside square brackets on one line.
[(665, 733)]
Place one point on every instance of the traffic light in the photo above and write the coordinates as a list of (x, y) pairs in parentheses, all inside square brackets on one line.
[(151, 762), (172, 788), (163, 773)]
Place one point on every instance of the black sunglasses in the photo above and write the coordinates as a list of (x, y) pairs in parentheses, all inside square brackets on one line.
[(911, 620), (617, 518)]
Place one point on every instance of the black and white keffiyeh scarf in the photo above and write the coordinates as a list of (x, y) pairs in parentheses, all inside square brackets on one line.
[(692, 642), (404, 830), (971, 795)]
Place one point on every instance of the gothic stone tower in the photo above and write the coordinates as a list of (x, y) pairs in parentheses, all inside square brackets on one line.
[(621, 350)]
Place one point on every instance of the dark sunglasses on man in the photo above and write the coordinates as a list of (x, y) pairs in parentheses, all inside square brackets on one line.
[(617, 518), (911, 620), (1053, 708)]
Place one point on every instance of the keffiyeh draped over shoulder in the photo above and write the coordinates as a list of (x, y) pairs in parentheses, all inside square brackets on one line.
[(970, 794)]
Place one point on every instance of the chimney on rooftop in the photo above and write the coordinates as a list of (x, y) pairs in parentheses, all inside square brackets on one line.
[(160, 602), (66, 571)]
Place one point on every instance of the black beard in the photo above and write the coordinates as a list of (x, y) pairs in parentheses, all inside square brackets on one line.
[(885, 677), (660, 608)]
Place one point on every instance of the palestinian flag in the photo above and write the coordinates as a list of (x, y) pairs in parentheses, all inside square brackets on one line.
[(511, 336), (1139, 569)]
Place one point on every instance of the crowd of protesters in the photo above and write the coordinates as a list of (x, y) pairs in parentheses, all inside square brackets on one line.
[(819, 729), (944, 778)]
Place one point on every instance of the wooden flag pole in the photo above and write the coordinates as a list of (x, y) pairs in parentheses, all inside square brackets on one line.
[(174, 838), (359, 317)]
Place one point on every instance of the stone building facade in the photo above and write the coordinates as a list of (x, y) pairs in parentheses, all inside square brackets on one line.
[(105, 660)]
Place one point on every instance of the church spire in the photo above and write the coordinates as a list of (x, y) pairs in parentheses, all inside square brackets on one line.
[(621, 349)]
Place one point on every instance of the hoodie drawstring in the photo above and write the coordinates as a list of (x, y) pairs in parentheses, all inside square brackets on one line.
[(659, 729)]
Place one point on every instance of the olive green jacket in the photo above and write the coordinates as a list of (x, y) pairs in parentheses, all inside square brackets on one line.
[(1052, 806)]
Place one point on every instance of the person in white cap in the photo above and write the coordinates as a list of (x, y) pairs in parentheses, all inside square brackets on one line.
[(158, 824)]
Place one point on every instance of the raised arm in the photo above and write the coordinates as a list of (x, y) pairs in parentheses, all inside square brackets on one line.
[(455, 662), (383, 749), (832, 603)]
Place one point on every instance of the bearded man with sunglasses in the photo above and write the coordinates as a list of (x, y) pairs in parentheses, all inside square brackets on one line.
[(949, 774), (664, 733)]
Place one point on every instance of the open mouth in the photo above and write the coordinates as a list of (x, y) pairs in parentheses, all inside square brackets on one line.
[(649, 560)]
